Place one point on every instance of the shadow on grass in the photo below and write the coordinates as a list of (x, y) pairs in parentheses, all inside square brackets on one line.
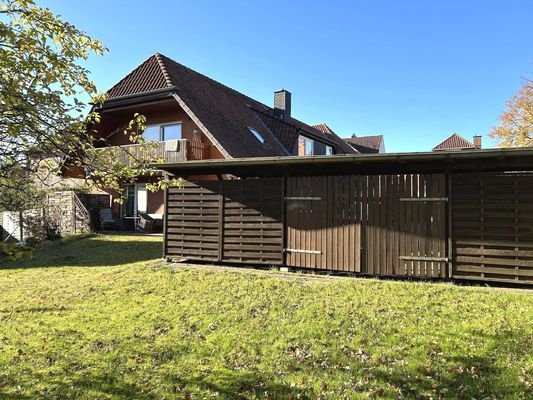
[(93, 251), (467, 376), (222, 384)]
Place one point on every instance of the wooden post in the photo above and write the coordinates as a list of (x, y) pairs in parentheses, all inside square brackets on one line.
[(220, 220), (21, 226), (283, 221), (449, 228), (165, 213)]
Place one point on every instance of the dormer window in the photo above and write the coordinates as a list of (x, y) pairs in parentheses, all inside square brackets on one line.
[(163, 132), (257, 135), (305, 146), (329, 150)]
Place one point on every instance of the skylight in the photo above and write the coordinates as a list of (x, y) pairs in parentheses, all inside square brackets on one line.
[(257, 135)]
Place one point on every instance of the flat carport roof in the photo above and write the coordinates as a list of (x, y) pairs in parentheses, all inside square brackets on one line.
[(490, 160)]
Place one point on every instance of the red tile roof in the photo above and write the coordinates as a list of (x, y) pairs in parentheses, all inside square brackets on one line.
[(225, 113), (366, 144), (324, 128), (454, 142)]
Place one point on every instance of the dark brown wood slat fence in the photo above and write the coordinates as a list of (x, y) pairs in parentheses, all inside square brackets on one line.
[(192, 221), (233, 221), (378, 224), (492, 219), (393, 225), (252, 221), (323, 223)]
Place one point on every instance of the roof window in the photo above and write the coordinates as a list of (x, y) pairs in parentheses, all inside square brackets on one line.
[(257, 135)]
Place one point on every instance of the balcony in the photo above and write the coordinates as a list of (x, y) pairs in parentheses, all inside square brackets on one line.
[(169, 151)]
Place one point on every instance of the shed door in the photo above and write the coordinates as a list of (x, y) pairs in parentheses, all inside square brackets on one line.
[(421, 226), (322, 222)]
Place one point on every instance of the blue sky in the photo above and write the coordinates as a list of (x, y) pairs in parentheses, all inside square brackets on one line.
[(414, 71)]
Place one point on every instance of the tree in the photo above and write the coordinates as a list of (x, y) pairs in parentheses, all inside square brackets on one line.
[(516, 122), (42, 79)]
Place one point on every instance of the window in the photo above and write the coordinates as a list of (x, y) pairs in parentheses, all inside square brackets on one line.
[(152, 133), (170, 132), (308, 147), (162, 132), (305, 146), (257, 135), (329, 150)]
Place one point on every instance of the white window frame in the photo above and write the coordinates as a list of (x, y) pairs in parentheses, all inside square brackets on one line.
[(329, 150)]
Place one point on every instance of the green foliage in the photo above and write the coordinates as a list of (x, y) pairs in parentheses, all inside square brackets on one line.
[(44, 87), (14, 251), (105, 320), (516, 122)]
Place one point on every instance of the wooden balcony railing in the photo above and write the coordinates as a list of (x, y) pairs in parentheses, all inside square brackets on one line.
[(168, 151)]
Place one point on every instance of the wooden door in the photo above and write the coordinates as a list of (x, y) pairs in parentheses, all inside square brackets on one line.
[(322, 223)]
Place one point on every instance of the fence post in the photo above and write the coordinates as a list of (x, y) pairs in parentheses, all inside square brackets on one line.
[(450, 241), (21, 226), (220, 220)]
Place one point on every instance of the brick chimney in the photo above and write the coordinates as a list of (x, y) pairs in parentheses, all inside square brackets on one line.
[(282, 104), (477, 141)]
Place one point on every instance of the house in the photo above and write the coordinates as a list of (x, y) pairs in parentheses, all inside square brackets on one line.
[(193, 117), (367, 144), (456, 142), (361, 144)]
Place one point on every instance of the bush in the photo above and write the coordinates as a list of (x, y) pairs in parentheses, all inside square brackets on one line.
[(15, 251)]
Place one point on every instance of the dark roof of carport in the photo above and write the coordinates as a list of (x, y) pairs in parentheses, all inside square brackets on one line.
[(490, 160)]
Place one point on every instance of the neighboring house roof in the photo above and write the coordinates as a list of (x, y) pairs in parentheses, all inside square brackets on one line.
[(324, 128), (366, 144), (220, 111), (454, 142)]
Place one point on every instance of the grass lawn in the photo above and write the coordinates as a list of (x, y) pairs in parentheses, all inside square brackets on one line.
[(101, 318)]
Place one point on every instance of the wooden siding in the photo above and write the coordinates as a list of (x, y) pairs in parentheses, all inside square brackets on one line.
[(252, 221), (492, 219), (234, 221), (465, 226), (192, 221), (377, 225)]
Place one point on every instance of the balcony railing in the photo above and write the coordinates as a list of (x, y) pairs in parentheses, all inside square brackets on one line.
[(168, 151)]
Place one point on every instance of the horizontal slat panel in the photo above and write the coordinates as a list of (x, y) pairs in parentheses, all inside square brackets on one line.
[(495, 270)]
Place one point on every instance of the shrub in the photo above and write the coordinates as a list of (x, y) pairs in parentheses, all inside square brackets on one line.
[(15, 251)]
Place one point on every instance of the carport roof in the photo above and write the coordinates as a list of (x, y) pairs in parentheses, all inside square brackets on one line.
[(489, 160)]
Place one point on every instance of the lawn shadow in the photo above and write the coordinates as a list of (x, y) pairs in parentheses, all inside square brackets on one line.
[(228, 384), (93, 251), (472, 376)]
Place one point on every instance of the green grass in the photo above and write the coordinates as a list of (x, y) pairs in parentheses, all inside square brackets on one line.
[(101, 318)]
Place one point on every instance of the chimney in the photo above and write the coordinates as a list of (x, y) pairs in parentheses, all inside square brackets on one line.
[(282, 104), (477, 141)]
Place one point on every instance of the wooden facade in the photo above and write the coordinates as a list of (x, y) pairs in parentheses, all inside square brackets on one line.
[(438, 223)]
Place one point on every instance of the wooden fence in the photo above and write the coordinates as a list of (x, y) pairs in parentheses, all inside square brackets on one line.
[(466, 226), (377, 224), (229, 221), (493, 227)]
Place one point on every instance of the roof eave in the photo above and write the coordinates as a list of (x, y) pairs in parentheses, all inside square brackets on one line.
[(137, 98)]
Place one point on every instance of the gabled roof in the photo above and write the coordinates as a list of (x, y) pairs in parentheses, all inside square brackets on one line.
[(324, 128), (147, 77), (454, 142), (366, 144), (219, 110)]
